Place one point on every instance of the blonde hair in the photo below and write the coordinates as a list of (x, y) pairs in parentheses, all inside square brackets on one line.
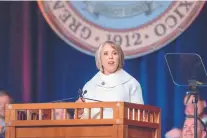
[(116, 47)]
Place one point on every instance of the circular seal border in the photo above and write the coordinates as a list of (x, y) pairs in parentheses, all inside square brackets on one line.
[(89, 49), (121, 30)]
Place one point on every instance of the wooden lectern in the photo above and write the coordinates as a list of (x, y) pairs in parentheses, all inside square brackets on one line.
[(38, 121)]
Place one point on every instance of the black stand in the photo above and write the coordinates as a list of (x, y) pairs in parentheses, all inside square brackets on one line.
[(193, 91), (188, 67)]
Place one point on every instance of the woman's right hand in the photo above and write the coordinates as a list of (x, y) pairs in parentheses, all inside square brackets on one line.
[(80, 110)]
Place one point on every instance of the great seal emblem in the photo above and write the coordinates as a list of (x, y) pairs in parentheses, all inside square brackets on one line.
[(140, 27)]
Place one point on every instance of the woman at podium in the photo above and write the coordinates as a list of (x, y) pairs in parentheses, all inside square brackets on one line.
[(111, 83)]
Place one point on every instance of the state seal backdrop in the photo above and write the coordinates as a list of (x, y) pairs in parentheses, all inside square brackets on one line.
[(140, 27)]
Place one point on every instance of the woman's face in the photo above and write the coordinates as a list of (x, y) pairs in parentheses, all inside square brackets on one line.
[(109, 59)]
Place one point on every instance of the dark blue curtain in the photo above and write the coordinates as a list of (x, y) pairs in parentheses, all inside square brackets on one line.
[(37, 66)]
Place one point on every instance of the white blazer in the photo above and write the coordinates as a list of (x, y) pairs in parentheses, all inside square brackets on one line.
[(119, 86)]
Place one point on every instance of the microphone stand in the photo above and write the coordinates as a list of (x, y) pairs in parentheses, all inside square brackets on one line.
[(92, 99), (70, 98), (80, 93), (193, 91)]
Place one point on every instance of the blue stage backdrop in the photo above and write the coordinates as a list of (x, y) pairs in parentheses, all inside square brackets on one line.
[(37, 66)]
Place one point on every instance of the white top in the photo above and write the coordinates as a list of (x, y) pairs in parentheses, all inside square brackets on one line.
[(119, 86)]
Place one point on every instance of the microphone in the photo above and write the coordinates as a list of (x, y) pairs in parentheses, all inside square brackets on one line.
[(82, 93)]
